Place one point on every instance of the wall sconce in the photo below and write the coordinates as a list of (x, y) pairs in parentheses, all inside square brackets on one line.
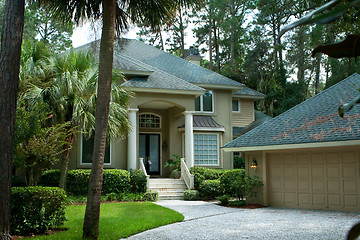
[(254, 164), (164, 146)]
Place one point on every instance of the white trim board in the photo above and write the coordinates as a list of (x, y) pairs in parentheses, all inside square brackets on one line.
[(294, 146)]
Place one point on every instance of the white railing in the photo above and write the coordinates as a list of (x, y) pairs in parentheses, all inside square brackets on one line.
[(143, 169), (186, 175)]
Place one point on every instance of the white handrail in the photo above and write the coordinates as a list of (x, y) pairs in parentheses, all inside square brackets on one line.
[(186, 175), (143, 169)]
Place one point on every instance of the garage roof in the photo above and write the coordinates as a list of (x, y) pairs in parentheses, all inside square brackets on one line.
[(315, 120)]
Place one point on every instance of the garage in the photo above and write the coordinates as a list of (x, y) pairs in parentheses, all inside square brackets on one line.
[(326, 179)]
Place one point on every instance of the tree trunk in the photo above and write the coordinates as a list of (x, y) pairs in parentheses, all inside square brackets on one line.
[(92, 212), (182, 33), (210, 41), (317, 73), (11, 40), (65, 162), (217, 50)]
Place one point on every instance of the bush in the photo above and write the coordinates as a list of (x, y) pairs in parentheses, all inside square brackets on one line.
[(237, 183), (224, 199), (239, 162), (191, 195), (137, 181), (231, 180), (201, 174), (237, 203), (77, 181), (210, 189), (50, 178), (114, 180), (36, 209), (151, 196)]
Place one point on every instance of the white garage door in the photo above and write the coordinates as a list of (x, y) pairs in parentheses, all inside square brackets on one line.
[(320, 180)]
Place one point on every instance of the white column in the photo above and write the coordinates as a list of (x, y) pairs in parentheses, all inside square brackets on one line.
[(189, 139), (132, 139)]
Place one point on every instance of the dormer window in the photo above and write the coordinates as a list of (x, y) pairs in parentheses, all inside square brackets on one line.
[(205, 103)]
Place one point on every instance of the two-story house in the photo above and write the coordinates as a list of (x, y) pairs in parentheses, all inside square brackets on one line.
[(179, 108)]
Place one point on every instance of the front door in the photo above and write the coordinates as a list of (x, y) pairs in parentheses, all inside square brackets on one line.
[(149, 150)]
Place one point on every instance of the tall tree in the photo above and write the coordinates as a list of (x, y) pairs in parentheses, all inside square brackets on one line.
[(114, 15), (9, 81)]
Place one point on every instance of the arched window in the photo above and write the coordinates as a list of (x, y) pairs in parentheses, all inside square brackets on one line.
[(148, 120)]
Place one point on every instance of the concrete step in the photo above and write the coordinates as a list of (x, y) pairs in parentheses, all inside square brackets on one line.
[(168, 189)]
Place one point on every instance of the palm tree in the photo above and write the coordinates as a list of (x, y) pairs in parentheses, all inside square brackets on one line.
[(11, 39), (115, 15), (68, 84)]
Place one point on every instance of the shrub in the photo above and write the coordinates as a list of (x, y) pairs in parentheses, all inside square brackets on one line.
[(191, 195), (201, 174), (210, 189), (130, 197), (114, 180), (231, 180), (137, 181), (77, 181), (239, 162), (151, 196), (36, 209), (50, 178), (224, 199), (237, 203), (237, 183)]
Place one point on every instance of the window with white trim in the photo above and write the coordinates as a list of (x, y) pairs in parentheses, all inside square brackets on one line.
[(235, 105), (148, 120), (205, 103), (87, 151), (206, 149)]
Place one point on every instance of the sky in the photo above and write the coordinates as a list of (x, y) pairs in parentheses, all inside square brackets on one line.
[(87, 33)]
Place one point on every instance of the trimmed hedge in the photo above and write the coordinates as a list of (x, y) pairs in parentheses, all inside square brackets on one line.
[(210, 189), (201, 174), (191, 195), (50, 178), (36, 209), (114, 181)]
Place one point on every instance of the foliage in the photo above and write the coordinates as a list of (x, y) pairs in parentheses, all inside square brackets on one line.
[(191, 195), (50, 178), (117, 220), (38, 147), (201, 174), (239, 162), (36, 209), (210, 189), (237, 183), (151, 196), (138, 181), (114, 180), (224, 199), (237, 203), (175, 166)]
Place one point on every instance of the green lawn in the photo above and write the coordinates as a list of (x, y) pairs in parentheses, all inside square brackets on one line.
[(117, 220)]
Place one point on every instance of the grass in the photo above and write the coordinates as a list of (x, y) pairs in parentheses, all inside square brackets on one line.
[(117, 220)]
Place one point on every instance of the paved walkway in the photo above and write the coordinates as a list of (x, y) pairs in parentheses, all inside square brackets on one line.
[(205, 220)]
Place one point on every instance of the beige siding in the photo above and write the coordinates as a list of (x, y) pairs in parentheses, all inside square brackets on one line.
[(246, 114)]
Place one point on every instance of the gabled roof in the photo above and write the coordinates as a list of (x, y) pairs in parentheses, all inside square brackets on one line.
[(168, 71), (249, 93), (314, 121)]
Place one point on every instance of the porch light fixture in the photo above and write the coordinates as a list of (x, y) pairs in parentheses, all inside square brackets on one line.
[(164, 146), (254, 164)]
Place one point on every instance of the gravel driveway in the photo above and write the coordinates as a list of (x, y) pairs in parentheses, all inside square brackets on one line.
[(206, 220)]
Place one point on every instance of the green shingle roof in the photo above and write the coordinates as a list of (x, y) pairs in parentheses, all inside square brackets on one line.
[(315, 120), (249, 92)]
